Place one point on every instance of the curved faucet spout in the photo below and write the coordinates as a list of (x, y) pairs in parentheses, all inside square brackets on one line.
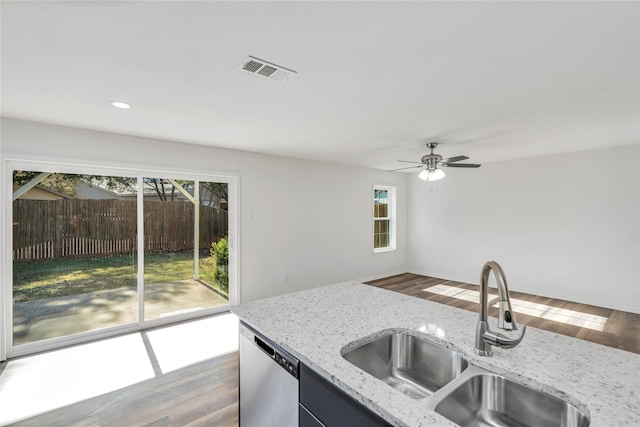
[(485, 338)]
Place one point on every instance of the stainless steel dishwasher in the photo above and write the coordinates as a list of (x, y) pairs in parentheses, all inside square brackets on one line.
[(268, 382)]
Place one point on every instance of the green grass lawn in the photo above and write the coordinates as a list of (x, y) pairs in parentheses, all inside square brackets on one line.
[(55, 278)]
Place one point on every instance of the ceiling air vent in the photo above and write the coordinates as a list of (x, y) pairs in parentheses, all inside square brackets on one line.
[(265, 69)]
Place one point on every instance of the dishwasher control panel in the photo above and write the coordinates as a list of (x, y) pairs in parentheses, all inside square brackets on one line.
[(281, 357), (288, 365)]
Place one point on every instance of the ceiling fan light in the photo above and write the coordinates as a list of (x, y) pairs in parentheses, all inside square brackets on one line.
[(435, 175), (424, 174)]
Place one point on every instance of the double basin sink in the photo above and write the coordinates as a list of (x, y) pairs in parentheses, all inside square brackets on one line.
[(463, 393)]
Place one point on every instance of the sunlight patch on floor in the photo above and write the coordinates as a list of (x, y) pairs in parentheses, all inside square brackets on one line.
[(556, 314), (44, 382), (38, 384), (193, 342), (454, 292)]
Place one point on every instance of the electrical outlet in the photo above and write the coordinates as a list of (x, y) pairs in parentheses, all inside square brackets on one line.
[(285, 278)]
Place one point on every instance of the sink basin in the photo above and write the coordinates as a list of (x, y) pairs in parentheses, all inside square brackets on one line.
[(414, 366), (492, 400)]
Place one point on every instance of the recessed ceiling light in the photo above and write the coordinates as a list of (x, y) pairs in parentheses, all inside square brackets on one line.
[(120, 104)]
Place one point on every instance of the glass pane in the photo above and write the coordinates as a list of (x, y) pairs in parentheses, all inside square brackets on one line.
[(381, 196), (384, 240), (383, 211), (183, 271), (74, 254), (380, 203), (380, 234)]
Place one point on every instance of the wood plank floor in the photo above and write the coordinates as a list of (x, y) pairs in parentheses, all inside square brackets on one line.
[(622, 329), (204, 394), (184, 374)]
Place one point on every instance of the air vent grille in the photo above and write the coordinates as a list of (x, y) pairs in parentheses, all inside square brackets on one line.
[(252, 66), (266, 69)]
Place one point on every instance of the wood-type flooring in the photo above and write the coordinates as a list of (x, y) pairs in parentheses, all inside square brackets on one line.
[(203, 394), (622, 329)]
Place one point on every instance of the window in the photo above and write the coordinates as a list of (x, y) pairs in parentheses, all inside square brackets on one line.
[(96, 253), (384, 218)]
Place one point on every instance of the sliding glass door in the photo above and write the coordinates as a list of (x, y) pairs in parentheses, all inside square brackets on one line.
[(97, 252), (74, 254), (185, 228)]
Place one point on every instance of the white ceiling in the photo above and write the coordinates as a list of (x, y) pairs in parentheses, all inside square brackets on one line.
[(375, 82)]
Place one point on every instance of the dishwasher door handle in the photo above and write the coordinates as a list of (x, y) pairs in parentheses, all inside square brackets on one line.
[(265, 347)]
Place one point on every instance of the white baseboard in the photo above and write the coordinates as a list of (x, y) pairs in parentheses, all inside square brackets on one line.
[(379, 276)]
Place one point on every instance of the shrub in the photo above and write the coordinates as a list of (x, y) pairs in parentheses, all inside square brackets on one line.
[(222, 278), (220, 253)]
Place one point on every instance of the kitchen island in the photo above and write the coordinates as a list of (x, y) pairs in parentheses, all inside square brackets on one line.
[(317, 325)]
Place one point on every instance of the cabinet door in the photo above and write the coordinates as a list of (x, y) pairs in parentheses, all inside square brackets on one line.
[(307, 419), (331, 406)]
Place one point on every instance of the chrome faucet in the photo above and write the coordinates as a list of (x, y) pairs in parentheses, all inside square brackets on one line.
[(485, 338)]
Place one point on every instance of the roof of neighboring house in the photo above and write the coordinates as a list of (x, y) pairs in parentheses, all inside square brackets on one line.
[(87, 190), (40, 192)]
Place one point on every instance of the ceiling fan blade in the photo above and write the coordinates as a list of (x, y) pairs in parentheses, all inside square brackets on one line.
[(452, 159), (409, 167), (462, 165), (407, 161)]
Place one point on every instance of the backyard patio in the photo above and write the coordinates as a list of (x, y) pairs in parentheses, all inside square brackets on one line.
[(60, 316)]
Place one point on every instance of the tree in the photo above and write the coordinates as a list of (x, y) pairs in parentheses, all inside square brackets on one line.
[(65, 182), (158, 184), (218, 189)]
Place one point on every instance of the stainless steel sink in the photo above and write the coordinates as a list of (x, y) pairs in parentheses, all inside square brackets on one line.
[(414, 366), (493, 400)]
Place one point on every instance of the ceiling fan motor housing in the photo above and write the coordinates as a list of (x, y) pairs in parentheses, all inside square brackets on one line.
[(431, 160)]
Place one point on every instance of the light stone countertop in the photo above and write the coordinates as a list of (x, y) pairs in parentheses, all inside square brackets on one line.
[(315, 325)]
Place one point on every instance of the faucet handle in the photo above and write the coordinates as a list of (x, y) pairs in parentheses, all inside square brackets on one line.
[(499, 340), (506, 317)]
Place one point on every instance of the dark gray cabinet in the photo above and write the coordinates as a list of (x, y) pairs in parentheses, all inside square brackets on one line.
[(322, 404), (307, 419)]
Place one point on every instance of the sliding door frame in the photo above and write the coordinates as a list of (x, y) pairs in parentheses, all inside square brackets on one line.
[(7, 348)]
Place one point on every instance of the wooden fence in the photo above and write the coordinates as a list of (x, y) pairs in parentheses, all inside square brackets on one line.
[(46, 229)]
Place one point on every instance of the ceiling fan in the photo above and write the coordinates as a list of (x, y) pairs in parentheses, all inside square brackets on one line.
[(433, 162)]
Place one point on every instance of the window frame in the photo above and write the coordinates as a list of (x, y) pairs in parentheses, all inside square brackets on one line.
[(391, 216), (7, 346)]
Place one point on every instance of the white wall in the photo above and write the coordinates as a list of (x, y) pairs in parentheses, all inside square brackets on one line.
[(556, 226), (310, 220), (564, 226)]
